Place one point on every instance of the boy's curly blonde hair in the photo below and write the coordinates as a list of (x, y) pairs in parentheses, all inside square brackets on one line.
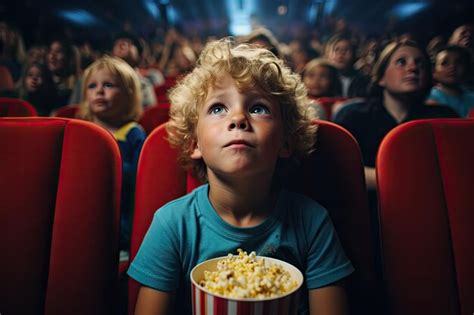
[(252, 68), (128, 79)]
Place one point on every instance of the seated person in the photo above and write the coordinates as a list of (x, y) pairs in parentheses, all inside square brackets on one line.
[(233, 118), (450, 70)]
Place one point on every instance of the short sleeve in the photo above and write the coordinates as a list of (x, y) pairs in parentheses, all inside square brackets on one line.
[(157, 263), (327, 262)]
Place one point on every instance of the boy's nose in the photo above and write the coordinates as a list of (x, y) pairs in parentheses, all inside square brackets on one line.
[(239, 121)]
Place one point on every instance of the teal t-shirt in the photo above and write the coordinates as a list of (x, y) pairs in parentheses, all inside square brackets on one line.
[(462, 103), (188, 231)]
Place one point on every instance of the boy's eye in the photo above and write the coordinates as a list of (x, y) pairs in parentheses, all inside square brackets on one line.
[(401, 61), (260, 109), (91, 85), (216, 109)]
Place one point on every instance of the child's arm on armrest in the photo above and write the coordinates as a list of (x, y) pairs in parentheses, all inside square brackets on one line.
[(330, 300), (154, 302)]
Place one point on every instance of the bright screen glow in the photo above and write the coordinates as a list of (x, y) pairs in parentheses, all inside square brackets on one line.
[(81, 17), (408, 9)]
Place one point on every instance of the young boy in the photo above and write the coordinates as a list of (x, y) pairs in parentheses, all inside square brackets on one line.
[(450, 71), (234, 117)]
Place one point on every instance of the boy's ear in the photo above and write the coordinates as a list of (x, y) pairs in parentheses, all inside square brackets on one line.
[(195, 152)]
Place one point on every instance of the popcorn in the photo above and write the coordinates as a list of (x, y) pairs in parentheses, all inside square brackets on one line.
[(246, 276)]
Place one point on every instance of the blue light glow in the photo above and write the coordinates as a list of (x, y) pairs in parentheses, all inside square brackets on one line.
[(239, 16), (330, 6), (151, 7), (172, 14), (81, 17), (408, 9)]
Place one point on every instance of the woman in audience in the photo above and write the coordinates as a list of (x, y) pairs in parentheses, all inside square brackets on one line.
[(450, 70), (401, 80), (112, 99), (63, 62), (37, 88)]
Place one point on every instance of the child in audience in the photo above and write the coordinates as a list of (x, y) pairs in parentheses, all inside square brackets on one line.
[(37, 87), (450, 70), (233, 118), (111, 98), (321, 79), (342, 53)]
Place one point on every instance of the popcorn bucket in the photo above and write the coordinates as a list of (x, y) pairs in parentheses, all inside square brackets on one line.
[(207, 303)]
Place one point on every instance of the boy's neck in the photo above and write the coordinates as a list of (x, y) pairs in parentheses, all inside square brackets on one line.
[(242, 202), (454, 90)]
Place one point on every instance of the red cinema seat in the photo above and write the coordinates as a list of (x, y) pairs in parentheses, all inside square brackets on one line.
[(152, 117), (425, 175), (67, 111), (59, 217), (15, 107), (333, 175), (471, 113)]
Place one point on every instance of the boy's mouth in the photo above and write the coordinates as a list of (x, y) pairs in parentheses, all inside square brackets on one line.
[(238, 142)]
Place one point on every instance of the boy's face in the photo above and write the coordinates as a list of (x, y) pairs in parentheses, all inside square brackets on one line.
[(33, 80), (238, 133), (318, 81), (341, 55), (449, 68), (105, 95), (126, 50)]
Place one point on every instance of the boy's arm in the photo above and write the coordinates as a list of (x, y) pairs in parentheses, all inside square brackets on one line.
[(153, 302), (330, 300)]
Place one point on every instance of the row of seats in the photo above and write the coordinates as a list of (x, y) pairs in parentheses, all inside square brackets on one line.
[(61, 253)]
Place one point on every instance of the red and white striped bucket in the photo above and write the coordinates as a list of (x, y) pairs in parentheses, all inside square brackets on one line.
[(206, 303)]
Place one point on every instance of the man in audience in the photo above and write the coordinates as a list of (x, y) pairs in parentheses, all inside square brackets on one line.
[(127, 47)]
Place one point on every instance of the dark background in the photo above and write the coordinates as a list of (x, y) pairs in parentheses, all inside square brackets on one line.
[(40, 20)]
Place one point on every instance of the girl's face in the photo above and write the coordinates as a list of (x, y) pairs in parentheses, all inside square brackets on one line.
[(56, 57), (33, 79), (405, 72), (449, 68), (318, 81), (105, 95)]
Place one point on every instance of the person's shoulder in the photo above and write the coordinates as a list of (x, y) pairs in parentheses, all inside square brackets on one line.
[(181, 204), (302, 203)]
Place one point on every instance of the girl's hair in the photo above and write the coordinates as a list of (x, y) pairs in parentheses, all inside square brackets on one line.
[(378, 71), (336, 88), (252, 68), (128, 79)]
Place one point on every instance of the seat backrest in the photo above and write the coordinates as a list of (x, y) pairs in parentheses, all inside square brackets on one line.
[(15, 107), (59, 215), (67, 111), (327, 103), (471, 113), (333, 175), (154, 116), (425, 175)]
